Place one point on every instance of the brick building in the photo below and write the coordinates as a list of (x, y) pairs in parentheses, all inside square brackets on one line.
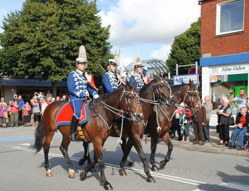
[(224, 46)]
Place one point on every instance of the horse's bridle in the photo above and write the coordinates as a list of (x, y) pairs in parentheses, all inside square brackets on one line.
[(134, 115), (191, 100)]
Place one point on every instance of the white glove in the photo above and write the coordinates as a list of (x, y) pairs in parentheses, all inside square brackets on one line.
[(95, 96), (86, 93)]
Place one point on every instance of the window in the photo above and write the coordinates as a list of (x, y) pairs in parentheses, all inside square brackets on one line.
[(230, 17)]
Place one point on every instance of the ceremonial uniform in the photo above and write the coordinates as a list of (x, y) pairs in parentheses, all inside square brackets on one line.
[(139, 79), (110, 82), (80, 89)]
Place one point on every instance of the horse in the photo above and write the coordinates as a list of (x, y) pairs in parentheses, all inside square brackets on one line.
[(101, 114), (158, 90), (160, 121)]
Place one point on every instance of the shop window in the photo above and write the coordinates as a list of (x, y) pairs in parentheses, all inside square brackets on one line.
[(230, 17)]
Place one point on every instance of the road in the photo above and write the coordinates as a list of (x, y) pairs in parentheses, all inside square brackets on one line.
[(21, 169)]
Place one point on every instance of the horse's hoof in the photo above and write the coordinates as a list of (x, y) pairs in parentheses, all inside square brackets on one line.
[(81, 162), (122, 172), (49, 173), (71, 173), (82, 176), (131, 164), (150, 180), (162, 164), (154, 168), (93, 170), (108, 186)]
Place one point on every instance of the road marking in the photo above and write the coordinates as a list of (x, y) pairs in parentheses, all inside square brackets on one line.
[(134, 170), (6, 130), (235, 185)]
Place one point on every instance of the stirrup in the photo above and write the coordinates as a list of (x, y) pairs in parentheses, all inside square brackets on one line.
[(73, 137)]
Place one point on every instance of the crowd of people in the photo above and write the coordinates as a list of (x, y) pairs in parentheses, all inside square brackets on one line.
[(17, 112), (200, 121)]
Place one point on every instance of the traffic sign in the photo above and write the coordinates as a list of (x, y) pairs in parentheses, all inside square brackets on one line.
[(193, 71)]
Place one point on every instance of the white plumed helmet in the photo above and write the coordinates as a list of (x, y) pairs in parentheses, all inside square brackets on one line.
[(82, 56), (137, 62), (115, 61)]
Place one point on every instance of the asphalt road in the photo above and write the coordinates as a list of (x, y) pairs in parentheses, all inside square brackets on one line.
[(21, 169)]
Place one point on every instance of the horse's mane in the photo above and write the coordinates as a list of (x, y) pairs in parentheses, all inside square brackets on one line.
[(107, 96), (144, 90), (178, 87)]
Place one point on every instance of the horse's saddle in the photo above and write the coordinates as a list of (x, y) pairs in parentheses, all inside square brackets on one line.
[(65, 114)]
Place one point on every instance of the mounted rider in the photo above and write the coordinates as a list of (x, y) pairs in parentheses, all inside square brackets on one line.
[(80, 86), (138, 74), (111, 80)]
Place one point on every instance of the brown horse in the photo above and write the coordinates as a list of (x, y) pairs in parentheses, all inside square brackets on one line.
[(155, 92), (160, 120), (96, 130)]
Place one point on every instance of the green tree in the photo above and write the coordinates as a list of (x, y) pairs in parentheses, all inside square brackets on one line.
[(185, 49), (43, 39)]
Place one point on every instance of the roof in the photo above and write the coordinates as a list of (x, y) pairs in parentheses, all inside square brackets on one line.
[(28, 82), (156, 66)]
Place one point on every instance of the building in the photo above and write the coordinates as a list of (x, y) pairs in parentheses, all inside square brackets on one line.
[(224, 46), (27, 87)]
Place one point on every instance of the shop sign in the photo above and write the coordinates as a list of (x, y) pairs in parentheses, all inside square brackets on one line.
[(178, 80), (229, 69)]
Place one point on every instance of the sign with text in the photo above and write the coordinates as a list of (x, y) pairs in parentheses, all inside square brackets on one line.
[(229, 69), (177, 80)]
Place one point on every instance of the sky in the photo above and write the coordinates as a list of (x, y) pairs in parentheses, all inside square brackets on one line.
[(147, 27)]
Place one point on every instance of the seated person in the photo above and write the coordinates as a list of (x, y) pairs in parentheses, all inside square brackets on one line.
[(242, 122)]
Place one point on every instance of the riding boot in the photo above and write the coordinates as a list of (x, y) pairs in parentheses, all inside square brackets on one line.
[(73, 126)]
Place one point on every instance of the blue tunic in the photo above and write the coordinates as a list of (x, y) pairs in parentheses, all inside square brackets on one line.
[(139, 79), (110, 82), (79, 90)]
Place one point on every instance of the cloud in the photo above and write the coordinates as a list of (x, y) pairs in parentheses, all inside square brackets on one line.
[(145, 21), (162, 53)]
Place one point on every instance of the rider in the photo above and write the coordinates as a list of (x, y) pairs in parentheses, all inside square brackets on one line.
[(138, 76), (111, 80), (79, 84)]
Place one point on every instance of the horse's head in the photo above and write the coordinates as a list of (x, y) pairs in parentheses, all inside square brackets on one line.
[(163, 91), (192, 96), (130, 103)]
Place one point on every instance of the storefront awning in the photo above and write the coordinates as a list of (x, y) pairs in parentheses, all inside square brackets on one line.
[(7, 81)]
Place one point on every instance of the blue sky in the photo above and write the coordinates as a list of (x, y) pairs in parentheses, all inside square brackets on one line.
[(147, 27)]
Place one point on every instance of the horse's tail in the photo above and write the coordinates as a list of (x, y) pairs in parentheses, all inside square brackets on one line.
[(39, 136)]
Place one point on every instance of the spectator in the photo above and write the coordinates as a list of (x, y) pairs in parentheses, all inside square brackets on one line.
[(186, 119), (58, 98), (241, 100), (199, 121), (26, 114), (14, 114), (14, 97), (48, 100), (20, 103), (43, 105), (52, 100), (208, 106), (64, 98), (242, 122), (36, 110), (3, 110), (178, 113), (225, 112), (48, 94)]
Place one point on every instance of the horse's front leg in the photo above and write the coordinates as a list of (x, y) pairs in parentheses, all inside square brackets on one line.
[(153, 147), (123, 147), (167, 141), (64, 147), (126, 152), (86, 155), (138, 146)]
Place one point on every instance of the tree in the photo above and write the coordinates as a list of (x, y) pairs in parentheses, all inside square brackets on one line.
[(43, 39), (185, 49)]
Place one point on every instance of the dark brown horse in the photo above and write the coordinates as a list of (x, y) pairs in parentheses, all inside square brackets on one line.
[(155, 92), (96, 130), (160, 121)]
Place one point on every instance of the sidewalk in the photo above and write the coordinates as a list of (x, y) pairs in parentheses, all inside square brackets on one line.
[(211, 146)]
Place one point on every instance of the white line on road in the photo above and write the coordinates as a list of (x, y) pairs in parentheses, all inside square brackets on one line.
[(235, 185), (138, 171)]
